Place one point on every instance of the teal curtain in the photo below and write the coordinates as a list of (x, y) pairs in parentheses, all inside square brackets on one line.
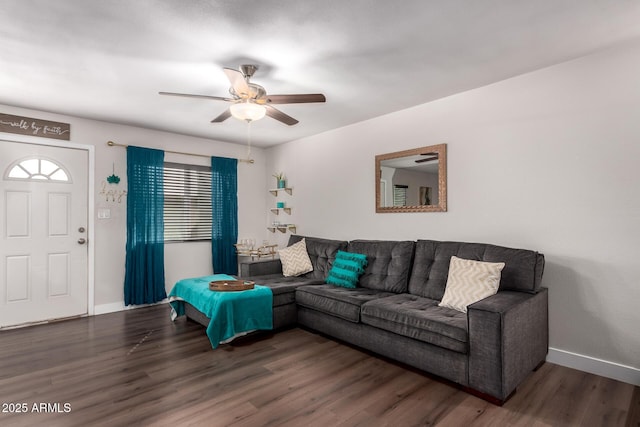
[(144, 281), (224, 212)]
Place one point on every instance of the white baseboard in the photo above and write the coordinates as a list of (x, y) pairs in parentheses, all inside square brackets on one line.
[(604, 368), (108, 308), (119, 306)]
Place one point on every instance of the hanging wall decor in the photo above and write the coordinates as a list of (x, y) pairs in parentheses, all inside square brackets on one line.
[(113, 179), (112, 194), (35, 127)]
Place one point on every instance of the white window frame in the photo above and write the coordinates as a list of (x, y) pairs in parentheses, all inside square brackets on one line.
[(45, 177)]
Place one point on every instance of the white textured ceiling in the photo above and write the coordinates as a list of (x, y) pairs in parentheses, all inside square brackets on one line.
[(108, 59)]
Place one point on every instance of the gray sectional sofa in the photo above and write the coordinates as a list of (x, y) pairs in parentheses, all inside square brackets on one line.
[(394, 309)]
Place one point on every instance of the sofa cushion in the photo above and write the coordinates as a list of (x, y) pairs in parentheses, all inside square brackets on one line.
[(336, 301), (389, 263), (346, 269), (470, 281), (283, 288), (321, 252), (522, 272), (419, 318)]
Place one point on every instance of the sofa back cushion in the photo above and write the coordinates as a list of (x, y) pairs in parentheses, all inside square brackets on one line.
[(321, 252), (522, 271), (388, 264)]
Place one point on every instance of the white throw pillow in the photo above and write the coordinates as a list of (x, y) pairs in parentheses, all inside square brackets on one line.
[(295, 259), (470, 281)]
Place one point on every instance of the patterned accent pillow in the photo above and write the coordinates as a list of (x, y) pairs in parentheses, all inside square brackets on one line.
[(470, 281), (346, 269), (295, 259)]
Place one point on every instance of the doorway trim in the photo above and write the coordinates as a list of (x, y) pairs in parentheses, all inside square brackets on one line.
[(90, 149)]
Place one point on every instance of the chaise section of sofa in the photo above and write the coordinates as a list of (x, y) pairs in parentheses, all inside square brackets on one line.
[(321, 252)]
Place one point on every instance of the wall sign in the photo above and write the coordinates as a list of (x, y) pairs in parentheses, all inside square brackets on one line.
[(34, 127)]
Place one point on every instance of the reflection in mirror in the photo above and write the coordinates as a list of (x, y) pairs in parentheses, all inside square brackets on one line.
[(412, 180)]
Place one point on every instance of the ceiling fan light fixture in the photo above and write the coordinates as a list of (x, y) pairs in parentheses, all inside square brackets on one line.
[(250, 102), (248, 111)]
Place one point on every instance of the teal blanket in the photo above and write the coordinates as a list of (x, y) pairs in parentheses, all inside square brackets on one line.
[(231, 313)]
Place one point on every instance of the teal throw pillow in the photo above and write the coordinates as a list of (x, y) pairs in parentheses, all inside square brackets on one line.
[(346, 269)]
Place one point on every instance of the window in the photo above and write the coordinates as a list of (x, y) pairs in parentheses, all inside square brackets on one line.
[(400, 195), (187, 202), (38, 169)]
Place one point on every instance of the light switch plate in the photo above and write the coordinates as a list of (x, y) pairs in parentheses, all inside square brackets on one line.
[(104, 213)]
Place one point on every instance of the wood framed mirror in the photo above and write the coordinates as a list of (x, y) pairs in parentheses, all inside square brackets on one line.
[(412, 180)]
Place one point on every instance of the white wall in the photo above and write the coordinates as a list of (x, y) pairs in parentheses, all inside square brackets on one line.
[(546, 161), (181, 259)]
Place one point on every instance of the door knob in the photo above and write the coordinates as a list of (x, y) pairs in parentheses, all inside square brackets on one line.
[(82, 241)]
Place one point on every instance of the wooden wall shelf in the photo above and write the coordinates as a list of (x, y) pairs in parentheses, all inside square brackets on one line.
[(283, 228), (277, 210), (274, 191)]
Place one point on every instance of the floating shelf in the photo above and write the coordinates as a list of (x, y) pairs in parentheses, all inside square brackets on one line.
[(283, 228), (277, 210), (274, 191)]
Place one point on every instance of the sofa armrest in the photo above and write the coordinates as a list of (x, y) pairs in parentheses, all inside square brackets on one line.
[(260, 268), (508, 338)]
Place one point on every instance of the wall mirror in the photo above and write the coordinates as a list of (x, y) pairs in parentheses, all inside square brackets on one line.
[(412, 180)]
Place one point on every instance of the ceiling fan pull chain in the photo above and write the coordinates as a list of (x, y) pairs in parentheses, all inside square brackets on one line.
[(249, 139)]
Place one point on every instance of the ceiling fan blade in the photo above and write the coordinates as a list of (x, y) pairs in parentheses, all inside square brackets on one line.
[(296, 99), (238, 82), (274, 113), (189, 95), (222, 117), (426, 159)]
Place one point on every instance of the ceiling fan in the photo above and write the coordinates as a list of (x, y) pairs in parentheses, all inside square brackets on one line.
[(250, 101)]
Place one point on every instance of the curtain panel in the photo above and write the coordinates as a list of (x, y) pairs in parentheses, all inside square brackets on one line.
[(144, 281), (224, 212)]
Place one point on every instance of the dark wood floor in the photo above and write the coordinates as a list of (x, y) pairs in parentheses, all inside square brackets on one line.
[(138, 368)]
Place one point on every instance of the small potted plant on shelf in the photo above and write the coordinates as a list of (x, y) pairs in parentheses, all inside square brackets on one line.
[(280, 178)]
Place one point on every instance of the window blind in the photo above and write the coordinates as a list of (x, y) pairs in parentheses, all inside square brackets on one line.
[(187, 202)]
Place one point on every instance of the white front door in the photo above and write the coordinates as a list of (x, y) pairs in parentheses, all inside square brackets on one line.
[(43, 226)]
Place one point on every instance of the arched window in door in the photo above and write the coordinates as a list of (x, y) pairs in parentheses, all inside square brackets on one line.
[(37, 169)]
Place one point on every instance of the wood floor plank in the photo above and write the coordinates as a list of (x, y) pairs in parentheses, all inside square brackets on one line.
[(608, 403), (633, 417), (139, 368)]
